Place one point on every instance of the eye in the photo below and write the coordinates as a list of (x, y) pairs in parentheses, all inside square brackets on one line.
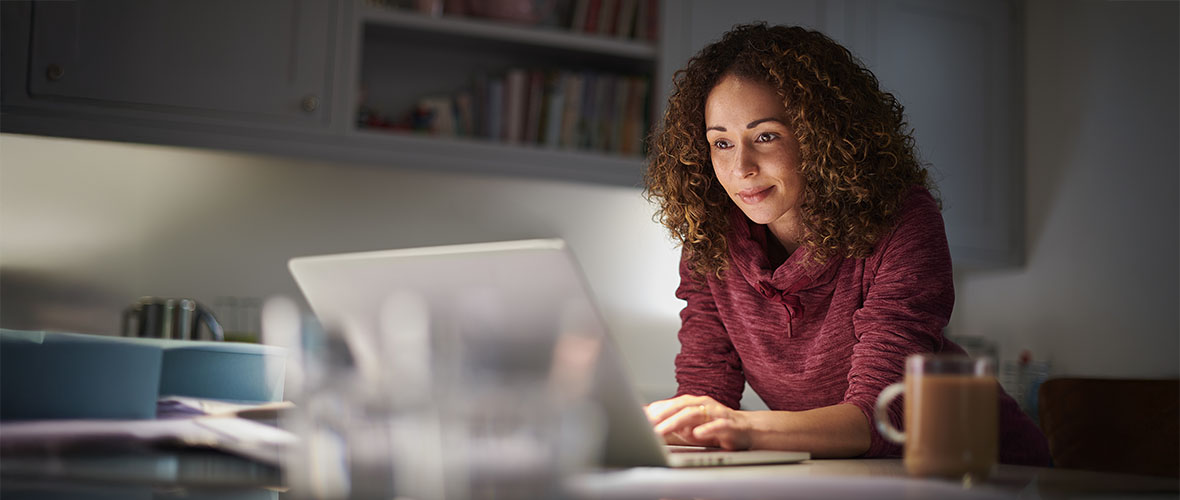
[(766, 137), (722, 144)]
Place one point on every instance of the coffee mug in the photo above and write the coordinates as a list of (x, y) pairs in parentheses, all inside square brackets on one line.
[(951, 416)]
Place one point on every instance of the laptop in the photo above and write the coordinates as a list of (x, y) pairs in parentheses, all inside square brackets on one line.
[(521, 293)]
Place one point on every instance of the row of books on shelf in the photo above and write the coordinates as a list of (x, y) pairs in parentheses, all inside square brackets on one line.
[(627, 19), (637, 19), (558, 109)]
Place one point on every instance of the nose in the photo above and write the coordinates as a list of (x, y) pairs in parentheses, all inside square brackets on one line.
[(745, 161)]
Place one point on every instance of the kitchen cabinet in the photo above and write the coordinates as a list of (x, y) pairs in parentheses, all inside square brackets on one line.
[(290, 77), (265, 62), (955, 66)]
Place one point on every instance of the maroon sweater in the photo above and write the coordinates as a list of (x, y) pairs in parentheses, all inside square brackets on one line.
[(807, 336)]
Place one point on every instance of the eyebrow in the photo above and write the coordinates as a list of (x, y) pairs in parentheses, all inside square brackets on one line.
[(752, 124)]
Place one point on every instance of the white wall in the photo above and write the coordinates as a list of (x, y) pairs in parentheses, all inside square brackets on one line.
[(87, 227), (1099, 292)]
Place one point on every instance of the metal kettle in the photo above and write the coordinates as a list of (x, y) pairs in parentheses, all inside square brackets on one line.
[(168, 318)]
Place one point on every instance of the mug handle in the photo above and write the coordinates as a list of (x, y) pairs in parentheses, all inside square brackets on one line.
[(881, 413)]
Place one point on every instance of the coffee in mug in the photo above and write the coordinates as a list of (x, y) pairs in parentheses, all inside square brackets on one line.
[(951, 416)]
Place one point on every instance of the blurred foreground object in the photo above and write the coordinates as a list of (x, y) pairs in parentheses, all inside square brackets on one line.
[(435, 400), (52, 375)]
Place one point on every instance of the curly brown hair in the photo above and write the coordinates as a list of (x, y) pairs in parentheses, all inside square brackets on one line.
[(857, 154)]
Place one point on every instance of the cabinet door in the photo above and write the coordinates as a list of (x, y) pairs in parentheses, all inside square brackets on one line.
[(265, 60), (955, 68)]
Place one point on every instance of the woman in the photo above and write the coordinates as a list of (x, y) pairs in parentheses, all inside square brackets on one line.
[(814, 255)]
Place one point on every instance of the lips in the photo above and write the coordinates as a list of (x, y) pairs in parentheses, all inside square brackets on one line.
[(754, 195)]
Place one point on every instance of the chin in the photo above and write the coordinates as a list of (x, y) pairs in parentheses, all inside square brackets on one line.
[(758, 218)]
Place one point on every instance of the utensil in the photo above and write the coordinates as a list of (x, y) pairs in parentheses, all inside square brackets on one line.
[(170, 318)]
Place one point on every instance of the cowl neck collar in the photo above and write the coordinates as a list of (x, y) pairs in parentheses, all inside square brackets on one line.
[(749, 257)]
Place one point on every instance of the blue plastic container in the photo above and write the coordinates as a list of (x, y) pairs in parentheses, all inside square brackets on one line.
[(68, 375)]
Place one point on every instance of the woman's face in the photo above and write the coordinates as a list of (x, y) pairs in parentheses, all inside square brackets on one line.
[(755, 155)]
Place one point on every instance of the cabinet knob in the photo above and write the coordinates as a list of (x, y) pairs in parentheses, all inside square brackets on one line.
[(54, 72), (310, 103)]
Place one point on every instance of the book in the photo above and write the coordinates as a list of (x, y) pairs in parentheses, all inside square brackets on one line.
[(465, 113), (588, 115), (479, 105), (515, 102), (604, 115), (647, 20), (495, 114), (619, 114), (634, 128), (533, 110), (593, 11), (653, 19), (555, 13), (581, 9), (441, 115), (608, 15), (641, 87), (243, 437), (571, 110), (625, 24), (554, 108)]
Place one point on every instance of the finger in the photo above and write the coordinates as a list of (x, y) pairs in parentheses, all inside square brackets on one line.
[(662, 410), (671, 423), (684, 419), (658, 410), (710, 430), (725, 432), (685, 436), (679, 438), (649, 411)]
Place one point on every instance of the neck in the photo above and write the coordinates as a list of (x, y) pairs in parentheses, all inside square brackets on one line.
[(788, 230)]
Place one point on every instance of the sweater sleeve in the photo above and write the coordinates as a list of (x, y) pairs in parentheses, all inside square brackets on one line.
[(907, 304), (707, 364)]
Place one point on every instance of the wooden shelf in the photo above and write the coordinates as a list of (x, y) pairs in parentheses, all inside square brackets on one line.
[(512, 33), (472, 155)]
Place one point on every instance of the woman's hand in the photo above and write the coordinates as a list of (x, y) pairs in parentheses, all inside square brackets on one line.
[(700, 421), (837, 431)]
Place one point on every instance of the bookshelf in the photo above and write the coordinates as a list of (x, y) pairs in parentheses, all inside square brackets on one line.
[(540, 92)]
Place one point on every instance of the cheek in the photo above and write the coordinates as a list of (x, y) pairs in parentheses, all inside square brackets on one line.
[(718, 168), (719, 174), (722, 164), (796, 187)]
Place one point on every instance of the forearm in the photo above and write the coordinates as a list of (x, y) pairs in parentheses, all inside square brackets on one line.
[(838, 431)]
